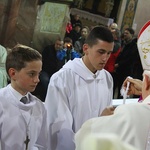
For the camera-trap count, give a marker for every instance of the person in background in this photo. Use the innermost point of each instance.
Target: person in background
(68, 28)
(23, 121)
(110, 65)
(79, 43)
(127, 58)
(3, 74)
(113, 26)
(80, 90)
(67, 53)
(137, 69)
(75, 19)
(49, 66)
(75, 33)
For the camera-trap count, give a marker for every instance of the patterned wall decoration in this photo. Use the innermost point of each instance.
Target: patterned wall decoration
(129, 14)
(52, 20)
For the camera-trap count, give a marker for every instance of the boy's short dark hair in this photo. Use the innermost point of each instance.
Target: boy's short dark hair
(20, 55)
(99, 33)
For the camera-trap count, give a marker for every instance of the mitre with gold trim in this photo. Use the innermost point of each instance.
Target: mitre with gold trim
(144, 45)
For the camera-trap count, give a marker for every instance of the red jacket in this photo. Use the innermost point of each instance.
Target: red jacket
(110, 65)
(68, 28)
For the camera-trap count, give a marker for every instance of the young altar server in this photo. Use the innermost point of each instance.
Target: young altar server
(23, 123)
(80, 90)
(131, 122)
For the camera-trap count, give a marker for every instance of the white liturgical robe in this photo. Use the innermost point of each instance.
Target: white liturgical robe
(75, 95)
(16, 123)
(104, 141)
(131, 122)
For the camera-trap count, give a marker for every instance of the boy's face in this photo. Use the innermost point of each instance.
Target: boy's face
(27, 78)
(96, 56)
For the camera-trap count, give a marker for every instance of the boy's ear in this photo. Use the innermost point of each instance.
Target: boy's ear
(147, 82)
(12, 72)
(85, 48)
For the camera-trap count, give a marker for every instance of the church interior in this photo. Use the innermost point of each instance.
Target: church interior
(38, 22)
(74, 75)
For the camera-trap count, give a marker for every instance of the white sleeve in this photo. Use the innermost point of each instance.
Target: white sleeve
(35, 148)
(59, 117)
(120, 123)
(41, 143)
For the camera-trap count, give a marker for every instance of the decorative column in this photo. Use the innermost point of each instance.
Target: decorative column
(108, 7)
(79, 3)
(129, 14)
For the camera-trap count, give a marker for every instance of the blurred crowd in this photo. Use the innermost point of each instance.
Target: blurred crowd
(73, 77)
(124, 61)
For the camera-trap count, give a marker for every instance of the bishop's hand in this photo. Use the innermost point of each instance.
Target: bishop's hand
(108, 111)
(135, 87)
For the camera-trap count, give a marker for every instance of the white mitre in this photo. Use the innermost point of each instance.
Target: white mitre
(144, 45)
(103, 142)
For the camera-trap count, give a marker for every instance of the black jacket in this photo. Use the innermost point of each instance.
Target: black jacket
(49, 60)
(128, 60)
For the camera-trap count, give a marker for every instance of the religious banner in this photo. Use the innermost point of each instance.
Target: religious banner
(129, 14)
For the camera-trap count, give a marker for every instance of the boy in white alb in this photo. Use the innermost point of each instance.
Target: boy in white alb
(23, 124)
(81, 90)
